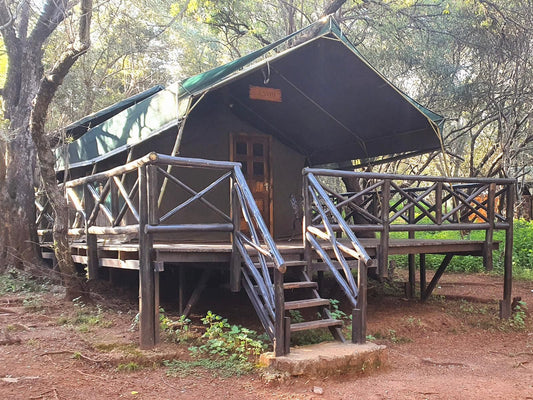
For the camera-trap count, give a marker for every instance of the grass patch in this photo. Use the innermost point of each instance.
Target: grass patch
(218, 367)
(85, 318)
(129, 367)
(522, 251)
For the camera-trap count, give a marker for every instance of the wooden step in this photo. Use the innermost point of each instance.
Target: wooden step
(300, 285)
(288, 264)
(297, 304)
(320, 323)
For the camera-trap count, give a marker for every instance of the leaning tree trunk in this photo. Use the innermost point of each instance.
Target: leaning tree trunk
(18, 239)
(48, 86)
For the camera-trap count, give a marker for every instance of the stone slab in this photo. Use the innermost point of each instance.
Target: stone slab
(328, 358)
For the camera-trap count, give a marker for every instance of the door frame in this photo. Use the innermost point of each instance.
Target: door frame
(268, 159)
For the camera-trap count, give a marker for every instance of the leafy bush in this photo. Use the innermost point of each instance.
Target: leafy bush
(225, 340)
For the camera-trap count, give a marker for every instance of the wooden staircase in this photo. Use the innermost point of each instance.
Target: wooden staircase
(306, 295)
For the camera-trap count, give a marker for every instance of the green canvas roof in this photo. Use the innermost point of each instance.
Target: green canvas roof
(335, 106)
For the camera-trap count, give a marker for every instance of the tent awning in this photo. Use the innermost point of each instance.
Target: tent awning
(334, 105)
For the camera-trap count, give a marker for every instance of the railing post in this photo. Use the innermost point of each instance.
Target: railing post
(92, 245)
(148, 278)
(235, 262)
(384, 240)
(505, 304)
(115, 209)
(438, 203)
(489, 233)
(306, 221)
(359, 313)
(280, 345)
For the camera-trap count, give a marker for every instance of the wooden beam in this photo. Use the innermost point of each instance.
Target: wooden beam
(422, 274)
(236, 259)
(359, 313)
(436, 277)
(505, 304)
(92, 246)
(280, 347)
(149, 317)
(489, 233)
(383, 259)
(195, 296)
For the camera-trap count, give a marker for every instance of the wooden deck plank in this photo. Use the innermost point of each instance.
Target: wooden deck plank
(221, 252)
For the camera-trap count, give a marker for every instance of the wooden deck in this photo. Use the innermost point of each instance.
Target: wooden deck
(125, 256)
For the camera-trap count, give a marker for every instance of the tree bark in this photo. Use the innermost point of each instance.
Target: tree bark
(28, 94)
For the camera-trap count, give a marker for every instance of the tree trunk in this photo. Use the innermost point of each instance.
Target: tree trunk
(18, 240)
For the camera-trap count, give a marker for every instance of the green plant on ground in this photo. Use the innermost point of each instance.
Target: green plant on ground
(218, 367)
(175, 331)
(129, 367)
(33, 303)
(225, 340)
(336, 313)
(296, 316)
(16, 281)
(518, 319)
(85, 317)
(413, 322)
(391, 336)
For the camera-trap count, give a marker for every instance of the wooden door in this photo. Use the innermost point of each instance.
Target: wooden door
(253, 152)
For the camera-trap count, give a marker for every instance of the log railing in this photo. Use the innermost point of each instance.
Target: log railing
(403, 203)
(320, 217)
(126, 200)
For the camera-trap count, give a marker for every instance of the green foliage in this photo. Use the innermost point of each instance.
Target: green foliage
(15, 281)
(335, 312)
(175, 331)
(218, 367)
(518, 319)
(228, 341)
(129, 367)
(392, 336)
(85, 317)
(522, 251)
(296, 316)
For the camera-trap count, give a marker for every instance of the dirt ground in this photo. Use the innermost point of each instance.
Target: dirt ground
(451, 347)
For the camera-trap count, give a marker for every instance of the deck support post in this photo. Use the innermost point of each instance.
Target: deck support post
(505, 304)
(236, 260)
(411, 258)
(92, 245)
(287, 339)
(359, 313)
(148, 277)
(489, 233)
(279, 322)
(384, 240)
(423, 280)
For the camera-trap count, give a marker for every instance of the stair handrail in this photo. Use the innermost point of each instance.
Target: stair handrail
(361, 253)
(273, 301)
(315, 194)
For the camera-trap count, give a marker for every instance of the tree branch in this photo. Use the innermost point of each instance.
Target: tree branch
(53, 14)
